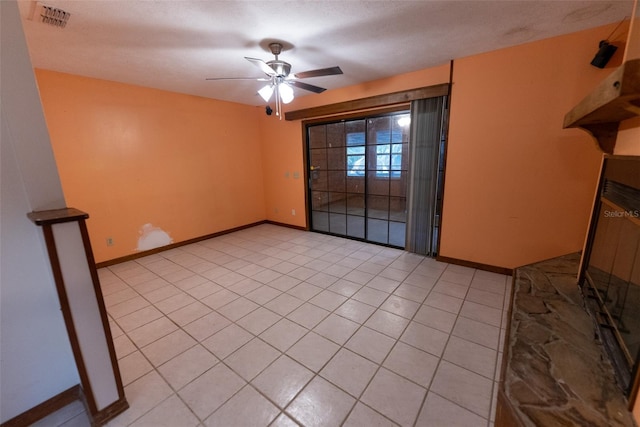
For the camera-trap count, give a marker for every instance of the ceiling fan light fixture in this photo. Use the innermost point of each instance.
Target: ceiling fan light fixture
(266, 92)
(286, 92)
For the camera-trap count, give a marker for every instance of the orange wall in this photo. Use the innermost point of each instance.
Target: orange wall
(130, 155)
(518, 187)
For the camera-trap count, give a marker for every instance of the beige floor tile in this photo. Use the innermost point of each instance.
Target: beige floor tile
(471, 356)
(444, 302)
(237, 309)
(302, 273)
(370, 296)
(142, 395)
(283, 334)
(356, 311)
(425, 338)
(162, 293)
(170, 413)
(345, 288)
(328, 300)
(370, 344)
(266, 276)
(451, 289)
(436, 318)
(127, 307)
(219, 299)
(249, 270)
(210, 390)
(395, 397)
(385, 284)
(123, 346)
(229, 279)
(359, 277)
(478, 332)
(456, 277)
(489, 285)
(245, 286)
(259, 320)
(133, 366)
(481, 313)
(411, 363)
(308, 315)
(330, 274)
(349, 371)
(336, 328)
(395, 274)
(469, 390)
(438, 412)
(387, 323)
(313, 351)
(168, 347)
(72, 415)
(249, 360)
(282, 380)
(227, 340)
(151, 286)
(413, 293)
(204, 290)
(189, 313)
(263, 294)
(284, 267)
(322, 280)
(284, 304)
(207, 325)
(124, 293)
(175, 302)
(304, 291)
(321, 404)
(400, 306)
(421, 281)
(486, 298)
(362, 416)
(337, 270)
(146, 334)
(138, 318)
(187, 366)
(247, 408)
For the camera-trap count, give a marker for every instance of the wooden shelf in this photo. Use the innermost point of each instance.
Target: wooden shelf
(615, 99)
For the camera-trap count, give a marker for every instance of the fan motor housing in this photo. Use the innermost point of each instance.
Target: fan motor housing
(281, 68)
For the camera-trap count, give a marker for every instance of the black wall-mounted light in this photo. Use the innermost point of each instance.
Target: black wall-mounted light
(604, 54)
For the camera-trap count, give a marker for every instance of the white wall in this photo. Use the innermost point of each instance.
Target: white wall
(36, 362)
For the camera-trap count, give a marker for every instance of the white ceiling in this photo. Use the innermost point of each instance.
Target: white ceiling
(174, 45)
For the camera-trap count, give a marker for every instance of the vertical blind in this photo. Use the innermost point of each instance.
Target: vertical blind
(424, 149)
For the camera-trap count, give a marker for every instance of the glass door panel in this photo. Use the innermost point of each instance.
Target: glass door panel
(358, 179)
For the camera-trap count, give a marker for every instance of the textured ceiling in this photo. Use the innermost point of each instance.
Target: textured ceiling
(175, 45)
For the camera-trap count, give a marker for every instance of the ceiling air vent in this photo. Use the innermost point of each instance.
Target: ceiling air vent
(51, 15)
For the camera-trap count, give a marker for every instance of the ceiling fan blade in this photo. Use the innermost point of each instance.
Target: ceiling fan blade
(331, 71)
(256, 79)
(262, 65)
(306, 86)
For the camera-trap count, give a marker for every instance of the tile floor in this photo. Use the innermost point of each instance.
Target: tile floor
(271, 326)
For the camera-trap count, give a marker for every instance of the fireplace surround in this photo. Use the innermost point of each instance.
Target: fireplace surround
(610, 269)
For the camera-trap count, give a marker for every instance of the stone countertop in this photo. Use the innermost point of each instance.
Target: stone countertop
(555, 373)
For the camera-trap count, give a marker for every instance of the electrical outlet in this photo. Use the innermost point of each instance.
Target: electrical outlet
(109, 241)
(293, 212)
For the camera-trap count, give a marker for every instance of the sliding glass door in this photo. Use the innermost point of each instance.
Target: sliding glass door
(358, 178)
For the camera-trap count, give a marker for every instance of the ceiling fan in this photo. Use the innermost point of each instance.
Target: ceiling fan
(279, 80)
